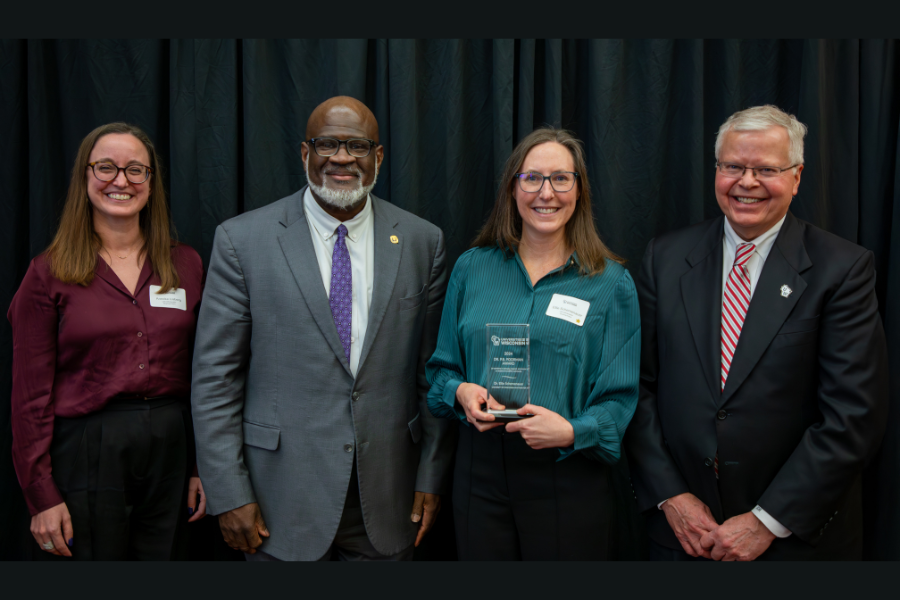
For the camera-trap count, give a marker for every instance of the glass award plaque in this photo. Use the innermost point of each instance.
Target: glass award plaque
(509, 368)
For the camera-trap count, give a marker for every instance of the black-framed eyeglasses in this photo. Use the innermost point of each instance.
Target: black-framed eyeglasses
(106, 171)
(560, 181)
(326, 146)
(735, 171)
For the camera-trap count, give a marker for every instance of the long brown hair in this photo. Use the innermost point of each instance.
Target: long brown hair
(504, 225)
(72, 255)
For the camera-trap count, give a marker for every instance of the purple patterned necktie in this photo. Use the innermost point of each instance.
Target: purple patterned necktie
(341, 296)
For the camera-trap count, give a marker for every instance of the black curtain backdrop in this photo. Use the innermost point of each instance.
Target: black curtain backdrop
(228, 117)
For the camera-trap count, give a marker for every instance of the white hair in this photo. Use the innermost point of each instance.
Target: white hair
(761, 118)
(341, 199)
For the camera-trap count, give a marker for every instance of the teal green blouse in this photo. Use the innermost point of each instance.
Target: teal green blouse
(588, 374)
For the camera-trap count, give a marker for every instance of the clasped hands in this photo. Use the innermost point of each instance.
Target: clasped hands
(742, 537)
(546, 429)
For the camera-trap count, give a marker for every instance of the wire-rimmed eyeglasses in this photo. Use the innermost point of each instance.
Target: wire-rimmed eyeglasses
(736, 171)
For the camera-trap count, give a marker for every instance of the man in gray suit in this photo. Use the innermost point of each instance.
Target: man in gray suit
(320, 310)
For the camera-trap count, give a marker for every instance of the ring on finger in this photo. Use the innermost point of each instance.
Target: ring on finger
(47, 546)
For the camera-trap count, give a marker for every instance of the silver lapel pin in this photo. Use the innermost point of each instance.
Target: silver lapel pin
(785, 291)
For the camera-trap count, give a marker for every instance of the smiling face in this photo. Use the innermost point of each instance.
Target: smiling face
(545, 213)
(119, 198)
(341, 181)
(753, 206)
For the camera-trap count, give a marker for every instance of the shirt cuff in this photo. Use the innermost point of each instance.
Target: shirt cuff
(590, 433)
(450, 387)
(771, 524)
(41, 495)
(659, 506)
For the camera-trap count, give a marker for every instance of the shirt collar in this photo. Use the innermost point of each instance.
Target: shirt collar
(574, 258)
(763, 242)
(325, 225)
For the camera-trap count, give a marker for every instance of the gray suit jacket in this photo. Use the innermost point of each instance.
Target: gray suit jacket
(277, 415)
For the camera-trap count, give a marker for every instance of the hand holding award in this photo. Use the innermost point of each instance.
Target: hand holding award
(472, 397)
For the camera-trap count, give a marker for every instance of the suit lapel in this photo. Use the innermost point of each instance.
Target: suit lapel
(387, 265)
(769, 308)
(300, 254)
(701, 292)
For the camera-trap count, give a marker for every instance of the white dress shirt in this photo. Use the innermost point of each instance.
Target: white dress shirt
(360, 242)
(754, 267)
(755, 263)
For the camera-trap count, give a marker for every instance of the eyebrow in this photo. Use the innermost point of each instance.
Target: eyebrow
(109, 160)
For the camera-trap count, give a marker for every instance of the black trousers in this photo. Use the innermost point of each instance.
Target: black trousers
(123, 473)
(511, 502)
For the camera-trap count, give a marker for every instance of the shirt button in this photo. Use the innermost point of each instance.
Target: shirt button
(140, 334)
(348, 448)
(141, 366)
(721, 415)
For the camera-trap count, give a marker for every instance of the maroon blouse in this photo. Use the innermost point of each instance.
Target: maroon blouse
(75, 348)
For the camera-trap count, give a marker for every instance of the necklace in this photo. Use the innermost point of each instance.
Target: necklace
(130, 252)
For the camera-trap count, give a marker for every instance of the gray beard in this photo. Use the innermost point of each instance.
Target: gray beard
(341, 199)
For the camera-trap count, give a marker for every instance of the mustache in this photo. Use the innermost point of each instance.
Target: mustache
(348, 171)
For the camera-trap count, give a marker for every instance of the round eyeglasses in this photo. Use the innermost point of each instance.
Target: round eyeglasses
(357, 147)
(105, 171)
(561, 181)
(735, 171)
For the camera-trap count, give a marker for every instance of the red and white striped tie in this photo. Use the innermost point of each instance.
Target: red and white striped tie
(734, 309)
(735, 305)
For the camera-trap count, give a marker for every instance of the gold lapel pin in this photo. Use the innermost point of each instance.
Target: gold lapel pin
(394, 239)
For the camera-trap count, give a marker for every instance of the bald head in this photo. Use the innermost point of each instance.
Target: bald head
(342, 112)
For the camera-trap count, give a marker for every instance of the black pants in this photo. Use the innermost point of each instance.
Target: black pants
(123, 473)
(511, 502)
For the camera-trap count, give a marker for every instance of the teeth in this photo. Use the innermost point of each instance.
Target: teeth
(546, 211)
(748, 200)
(119, 196)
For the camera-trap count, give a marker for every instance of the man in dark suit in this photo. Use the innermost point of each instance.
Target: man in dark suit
(763, 369)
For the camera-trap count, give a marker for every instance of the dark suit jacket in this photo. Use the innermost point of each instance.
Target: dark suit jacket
(805, 402)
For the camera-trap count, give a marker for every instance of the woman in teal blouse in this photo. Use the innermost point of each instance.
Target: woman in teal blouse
(538, 488)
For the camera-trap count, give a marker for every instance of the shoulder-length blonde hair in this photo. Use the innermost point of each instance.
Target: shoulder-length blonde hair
(72, 255)
(504, 225)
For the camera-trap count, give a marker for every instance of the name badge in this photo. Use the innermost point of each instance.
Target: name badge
(568, 309)
(171, 299)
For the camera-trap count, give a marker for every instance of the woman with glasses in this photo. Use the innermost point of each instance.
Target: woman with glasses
(538, 311)
(103, 327)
